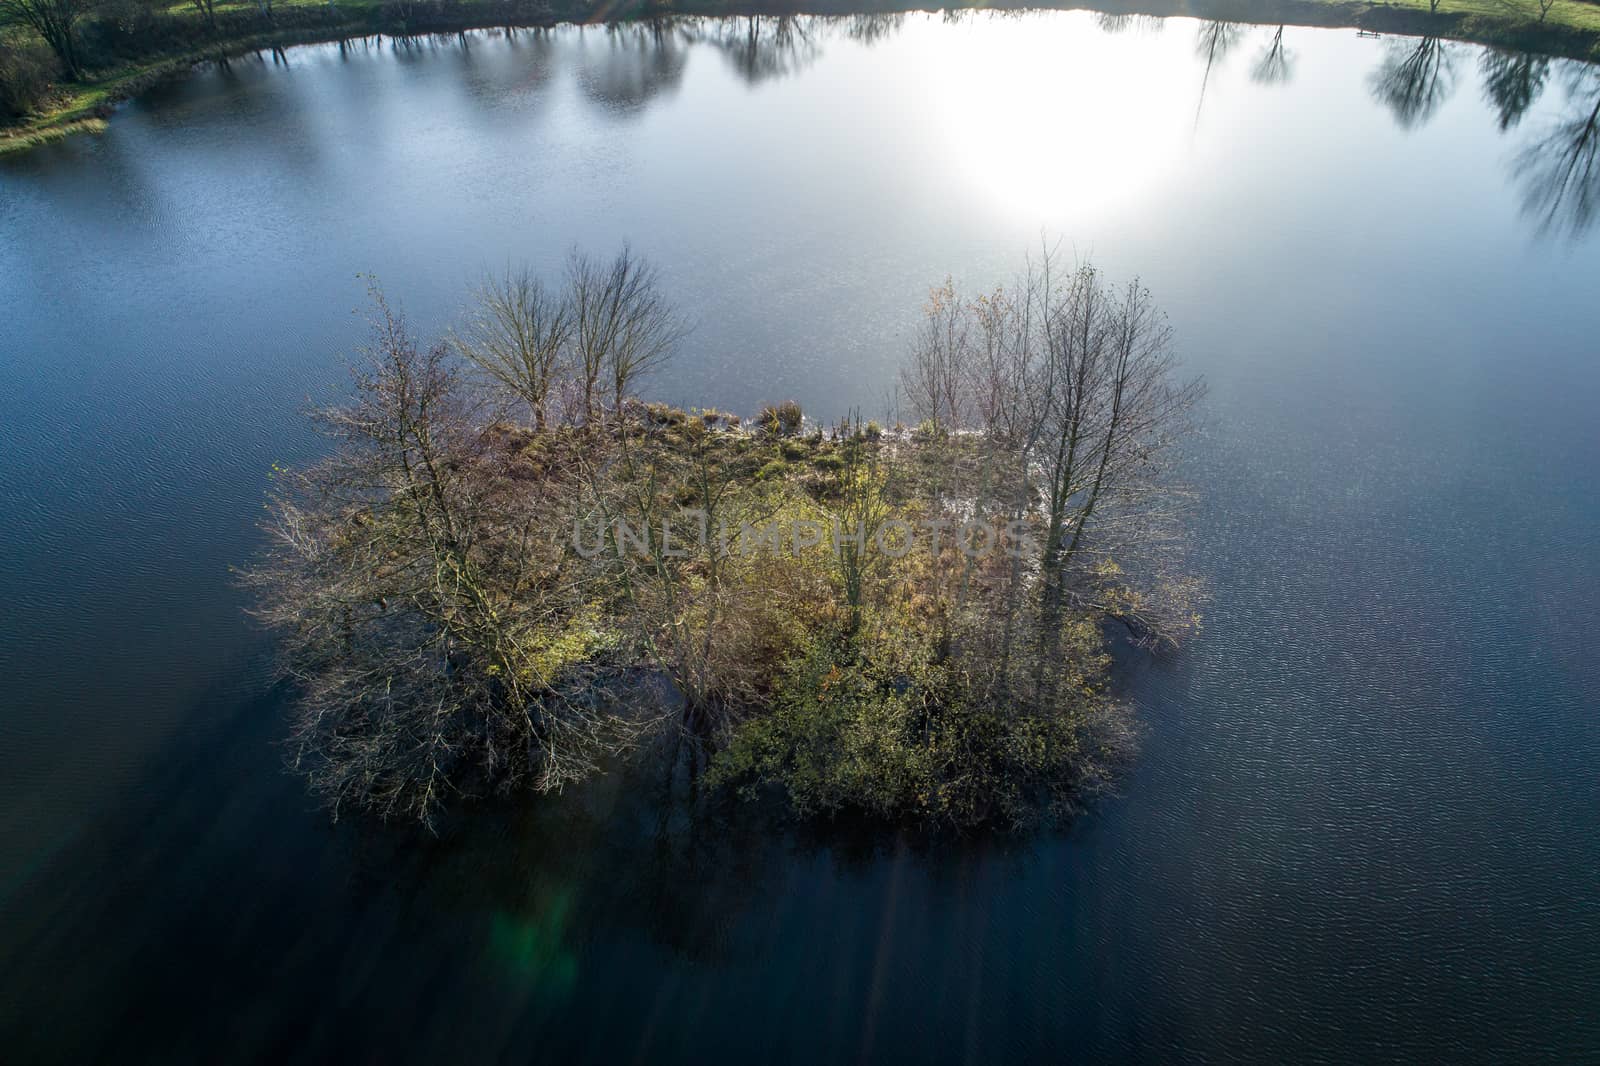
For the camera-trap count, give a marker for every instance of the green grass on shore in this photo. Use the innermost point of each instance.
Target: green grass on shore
(1572, 14)
(1570, 28)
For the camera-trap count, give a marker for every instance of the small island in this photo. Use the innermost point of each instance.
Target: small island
(510, 567)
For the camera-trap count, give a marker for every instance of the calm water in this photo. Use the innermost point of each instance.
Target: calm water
(1366, 823)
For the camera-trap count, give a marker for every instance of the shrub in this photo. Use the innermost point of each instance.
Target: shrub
(829, 462)
(27, 75)
(894, 730)
(783, 420)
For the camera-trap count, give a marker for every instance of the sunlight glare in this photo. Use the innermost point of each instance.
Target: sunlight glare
(1053, 121)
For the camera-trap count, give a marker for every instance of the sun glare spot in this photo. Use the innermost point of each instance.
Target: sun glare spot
(1061, 122)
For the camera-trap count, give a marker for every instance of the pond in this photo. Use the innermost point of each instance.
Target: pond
(1365, 821)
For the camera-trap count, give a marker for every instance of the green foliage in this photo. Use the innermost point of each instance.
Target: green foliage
(892, 728)
(829, 462)
(776, 470)
(569, 643)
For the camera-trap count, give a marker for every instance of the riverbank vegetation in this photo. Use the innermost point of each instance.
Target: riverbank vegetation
(65, 63)
(510, 567)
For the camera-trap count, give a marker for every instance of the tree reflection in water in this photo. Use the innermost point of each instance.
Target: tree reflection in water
(764, 47)
(1414, 79)
(639, 62)
(1512, 82)
(1558, 166)
(1212, 44)
(1275, 65)
(871, 29)
(675, 867)
(1121, 22)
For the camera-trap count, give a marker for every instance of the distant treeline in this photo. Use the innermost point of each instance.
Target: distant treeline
(66, 59)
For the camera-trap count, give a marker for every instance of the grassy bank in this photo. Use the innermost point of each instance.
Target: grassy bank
(166, 43)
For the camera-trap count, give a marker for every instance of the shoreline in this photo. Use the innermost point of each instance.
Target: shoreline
(85, 107)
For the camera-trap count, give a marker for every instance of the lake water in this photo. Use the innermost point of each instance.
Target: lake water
(1366, 820)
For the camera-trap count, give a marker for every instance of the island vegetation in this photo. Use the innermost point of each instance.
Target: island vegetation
(65, 63)
(509, 567)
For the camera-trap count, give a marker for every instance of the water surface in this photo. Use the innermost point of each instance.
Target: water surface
(1364, 825)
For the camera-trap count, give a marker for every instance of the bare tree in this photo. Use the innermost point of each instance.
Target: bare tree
(1114, 408)
(208, 12)
(1072, 389)
(1012, 397)
(1071, 392)
(663, 497)
(1545, 7)
(517, 336)
(623, 328)
(935, 379)
(57, 22)
(425, 610)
